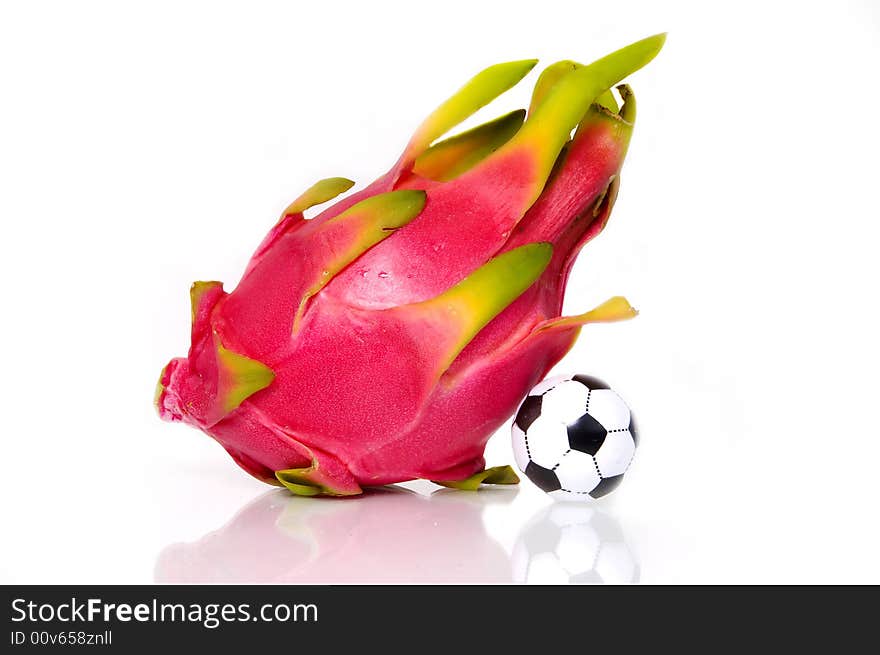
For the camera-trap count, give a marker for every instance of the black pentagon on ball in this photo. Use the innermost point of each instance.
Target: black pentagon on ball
(586, 435)
(606, 486)
(590, 382)
(545, 479)
(528, 412)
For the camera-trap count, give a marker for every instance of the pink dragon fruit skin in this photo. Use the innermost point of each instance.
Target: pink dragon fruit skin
(387, 338)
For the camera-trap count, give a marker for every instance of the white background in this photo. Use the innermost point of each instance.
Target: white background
(146, 145)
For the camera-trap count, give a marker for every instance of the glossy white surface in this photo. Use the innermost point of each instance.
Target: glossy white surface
(143, 148)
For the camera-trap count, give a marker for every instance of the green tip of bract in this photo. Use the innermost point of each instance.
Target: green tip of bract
(485, 293)
(494, 475)
(196, 292)
(390, 210)
(358, 229)
(548, 79)
(612, 310)
(555, 72)
(606, 99)
(496, 284)
(567, 92)
(294, 482)
(160, 388)
(628, 109)
(241, 377)
(310, 482)
(479, 91)
(448, 159)
(320, 192)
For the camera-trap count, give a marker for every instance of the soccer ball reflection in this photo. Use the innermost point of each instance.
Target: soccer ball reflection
(573, 544)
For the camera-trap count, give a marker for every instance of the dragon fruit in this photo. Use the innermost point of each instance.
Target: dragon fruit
(388, 337)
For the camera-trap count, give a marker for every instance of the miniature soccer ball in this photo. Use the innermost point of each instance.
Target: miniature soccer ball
(574, 437)
(573, 544)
